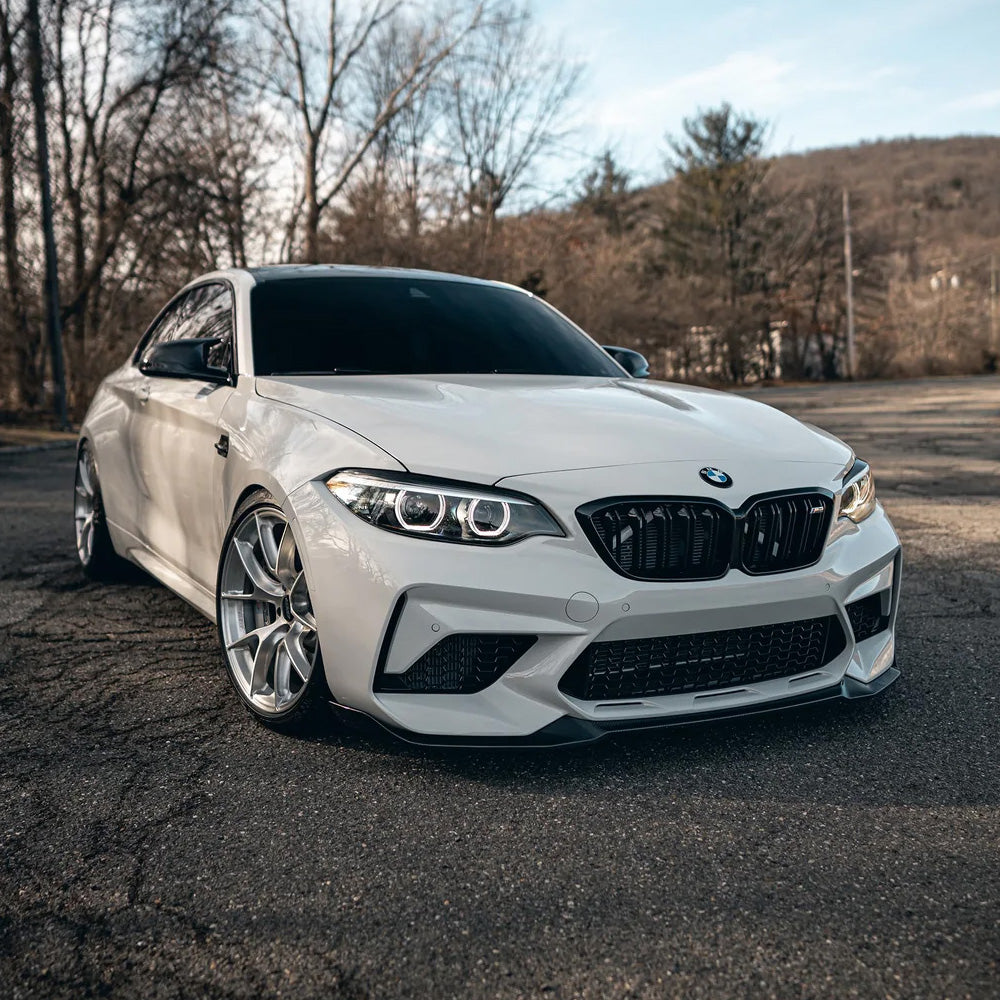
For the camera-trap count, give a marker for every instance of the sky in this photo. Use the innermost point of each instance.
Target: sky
(822, 73)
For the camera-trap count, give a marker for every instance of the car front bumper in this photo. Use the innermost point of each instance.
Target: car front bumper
(382, 600)
(570, 730)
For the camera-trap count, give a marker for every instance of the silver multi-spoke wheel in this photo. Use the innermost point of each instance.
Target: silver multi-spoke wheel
(85, 506)
(265, 615)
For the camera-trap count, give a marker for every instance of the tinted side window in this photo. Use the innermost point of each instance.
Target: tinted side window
(214, 321)
(204, 312)
(162, 331)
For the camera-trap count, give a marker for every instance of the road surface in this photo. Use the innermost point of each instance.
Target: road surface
(155, 842)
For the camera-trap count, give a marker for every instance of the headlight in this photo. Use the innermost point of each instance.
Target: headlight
(447, 511)
(857, 500)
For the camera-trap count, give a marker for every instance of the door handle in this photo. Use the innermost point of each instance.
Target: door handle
(142, 393)
(222, 445)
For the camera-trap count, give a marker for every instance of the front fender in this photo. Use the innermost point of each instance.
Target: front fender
(279, 447)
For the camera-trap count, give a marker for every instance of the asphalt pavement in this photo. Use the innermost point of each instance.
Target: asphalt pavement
(156, 842)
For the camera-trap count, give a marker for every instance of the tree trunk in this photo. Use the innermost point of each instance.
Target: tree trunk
(27, 342)
(310, 243)
(51, 282)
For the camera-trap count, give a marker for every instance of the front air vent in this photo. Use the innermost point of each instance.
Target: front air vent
(702, 661)
(867, 617)
(461, 663)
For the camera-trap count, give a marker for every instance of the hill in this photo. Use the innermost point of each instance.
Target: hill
(925, 218)
(937, 201)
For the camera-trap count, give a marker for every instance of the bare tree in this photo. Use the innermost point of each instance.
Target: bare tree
(409, 164)
(809, 247)
(120, 69)
(23, 336)
(320, 82)
(228, 168)
(509, 95)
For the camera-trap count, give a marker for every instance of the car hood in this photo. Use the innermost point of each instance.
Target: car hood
(484, 428)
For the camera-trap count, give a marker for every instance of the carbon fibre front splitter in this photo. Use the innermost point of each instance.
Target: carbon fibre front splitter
(572, 731)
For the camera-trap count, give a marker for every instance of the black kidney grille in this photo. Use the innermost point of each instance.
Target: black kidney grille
(459, 664)
(783, 533)
(665, 539)
(702, 661)
(867, 618)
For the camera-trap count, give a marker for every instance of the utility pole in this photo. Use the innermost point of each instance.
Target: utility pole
(849, 273)
(994, 293)
(52, 317)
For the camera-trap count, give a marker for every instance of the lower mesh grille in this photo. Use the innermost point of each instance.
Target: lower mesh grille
(459, 664)
(702, 661)
(867, 618)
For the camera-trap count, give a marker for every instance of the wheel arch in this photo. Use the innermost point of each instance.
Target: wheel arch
(247, 492)
(241, 480)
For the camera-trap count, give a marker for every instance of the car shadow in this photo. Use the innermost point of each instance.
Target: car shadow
(871, 752)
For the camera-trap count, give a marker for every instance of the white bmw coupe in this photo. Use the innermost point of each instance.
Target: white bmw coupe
(435, 501)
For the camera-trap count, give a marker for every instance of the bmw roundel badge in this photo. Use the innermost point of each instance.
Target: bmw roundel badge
(716, 477)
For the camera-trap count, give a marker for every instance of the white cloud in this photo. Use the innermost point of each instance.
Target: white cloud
(756, 80)
(874, 70)
(985, 100)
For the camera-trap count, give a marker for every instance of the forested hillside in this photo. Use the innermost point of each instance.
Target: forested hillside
(926, 219)
(923, 194)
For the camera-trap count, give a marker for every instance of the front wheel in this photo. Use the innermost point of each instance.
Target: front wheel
(266, 622)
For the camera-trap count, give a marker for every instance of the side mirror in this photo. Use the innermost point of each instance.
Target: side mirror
(184, 359)
(632, 361)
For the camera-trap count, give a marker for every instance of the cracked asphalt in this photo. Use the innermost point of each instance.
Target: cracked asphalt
(158, 843)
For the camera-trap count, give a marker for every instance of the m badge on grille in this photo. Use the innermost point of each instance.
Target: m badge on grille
(716, 477)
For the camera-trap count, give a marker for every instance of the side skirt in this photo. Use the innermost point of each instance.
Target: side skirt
(184, 587)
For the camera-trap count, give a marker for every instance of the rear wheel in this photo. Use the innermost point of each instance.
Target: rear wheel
(266, 622)
(93, 541)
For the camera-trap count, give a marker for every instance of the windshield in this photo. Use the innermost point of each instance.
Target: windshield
(413, 326)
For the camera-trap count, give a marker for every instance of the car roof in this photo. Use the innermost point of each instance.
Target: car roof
(279, 272)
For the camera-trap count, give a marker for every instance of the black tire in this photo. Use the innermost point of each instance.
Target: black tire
(97, 555)
(309, 713)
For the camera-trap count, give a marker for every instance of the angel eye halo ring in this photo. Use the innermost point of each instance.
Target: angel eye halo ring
(419, 511)
(488, 518)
